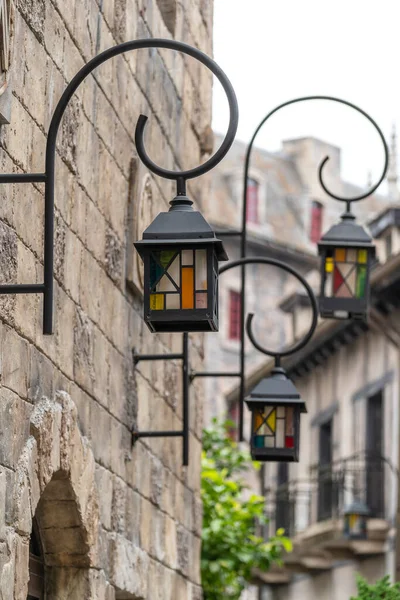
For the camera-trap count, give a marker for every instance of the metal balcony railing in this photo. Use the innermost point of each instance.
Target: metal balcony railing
(298, 504)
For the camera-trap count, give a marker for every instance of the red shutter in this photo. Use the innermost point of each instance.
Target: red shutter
(316, 221)
(234, 315)
(252, 201)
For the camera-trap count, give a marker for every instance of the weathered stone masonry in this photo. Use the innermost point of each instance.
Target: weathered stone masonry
(114, 522)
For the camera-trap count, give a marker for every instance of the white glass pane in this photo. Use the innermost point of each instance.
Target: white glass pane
(201, 269)
(269, 442)
(280, 433)
(174, 271)
(187, 257)
(201, 299)
(165, 285)
(281, 411)
(172, 301)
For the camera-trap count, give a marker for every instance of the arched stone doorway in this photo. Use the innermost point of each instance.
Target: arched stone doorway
(56, 498)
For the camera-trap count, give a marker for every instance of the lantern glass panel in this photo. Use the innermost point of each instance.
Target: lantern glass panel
(274, 427)
(346, 273)
(178, 280)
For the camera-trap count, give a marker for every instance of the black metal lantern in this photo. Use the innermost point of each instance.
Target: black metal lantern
(180, 253)
(355, 521)
(275, 405)
(347, 253)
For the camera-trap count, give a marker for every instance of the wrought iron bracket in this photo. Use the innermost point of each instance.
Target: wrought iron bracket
(184, 433)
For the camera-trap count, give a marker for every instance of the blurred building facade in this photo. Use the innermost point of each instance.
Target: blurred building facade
(287, 212)
(84, 516)
(349, 376)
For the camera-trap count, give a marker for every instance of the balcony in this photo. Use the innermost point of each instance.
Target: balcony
(310, 511)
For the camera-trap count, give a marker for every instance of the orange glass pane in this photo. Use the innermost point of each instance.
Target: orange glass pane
(340, 254)
(187, 287)
(258, 420)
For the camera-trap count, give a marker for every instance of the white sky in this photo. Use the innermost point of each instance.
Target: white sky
(276, 50)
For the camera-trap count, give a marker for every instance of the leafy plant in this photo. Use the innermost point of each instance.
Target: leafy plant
(230, 547)
(381, 590)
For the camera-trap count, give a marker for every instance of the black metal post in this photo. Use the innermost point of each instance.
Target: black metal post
(185, 399)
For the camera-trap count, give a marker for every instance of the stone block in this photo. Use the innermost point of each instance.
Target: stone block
(104, 482)
(129, 568)
(118, 505)
(116, 385)
(133, 516)
(95, 231)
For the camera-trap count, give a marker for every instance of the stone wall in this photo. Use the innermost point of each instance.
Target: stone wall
(114, 522)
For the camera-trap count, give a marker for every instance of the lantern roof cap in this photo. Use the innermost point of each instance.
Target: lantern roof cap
(276, 389)
(180, 226)
(356, 507)
(348, 233)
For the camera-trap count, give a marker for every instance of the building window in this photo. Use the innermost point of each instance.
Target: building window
(374, 450)
(36, 566)
(252, 201)
(316, 221)
(326, 480)
(234, 315)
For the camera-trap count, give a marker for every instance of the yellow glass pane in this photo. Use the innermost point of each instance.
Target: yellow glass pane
(271, 421)
(362, 256)
(187, 287)
(329, 265)
(340, 254)
(157, 301)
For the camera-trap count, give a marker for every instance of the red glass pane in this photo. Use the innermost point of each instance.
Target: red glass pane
(337, 280)
(289, 441)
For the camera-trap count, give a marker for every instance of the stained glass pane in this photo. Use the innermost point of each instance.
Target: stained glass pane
(289, 420)
(289, 441)
(187, 287)
(362, 256)
(361, 281)
(329, 265)
(155, 272)
(165, 285)
(328, 284)
(345, 269)
(187, 257)
(280, 433)
(201, 299)
(343, 292)
(174, 271)
(351, 281)
(340, 255)
(157, 301)
(258, 441)
(352, 255)
(258, 420)
(201, 269)
(271, 420)
(337, 280)
(269, 441)
(172, 301)
(280, 411)
(165, 257)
